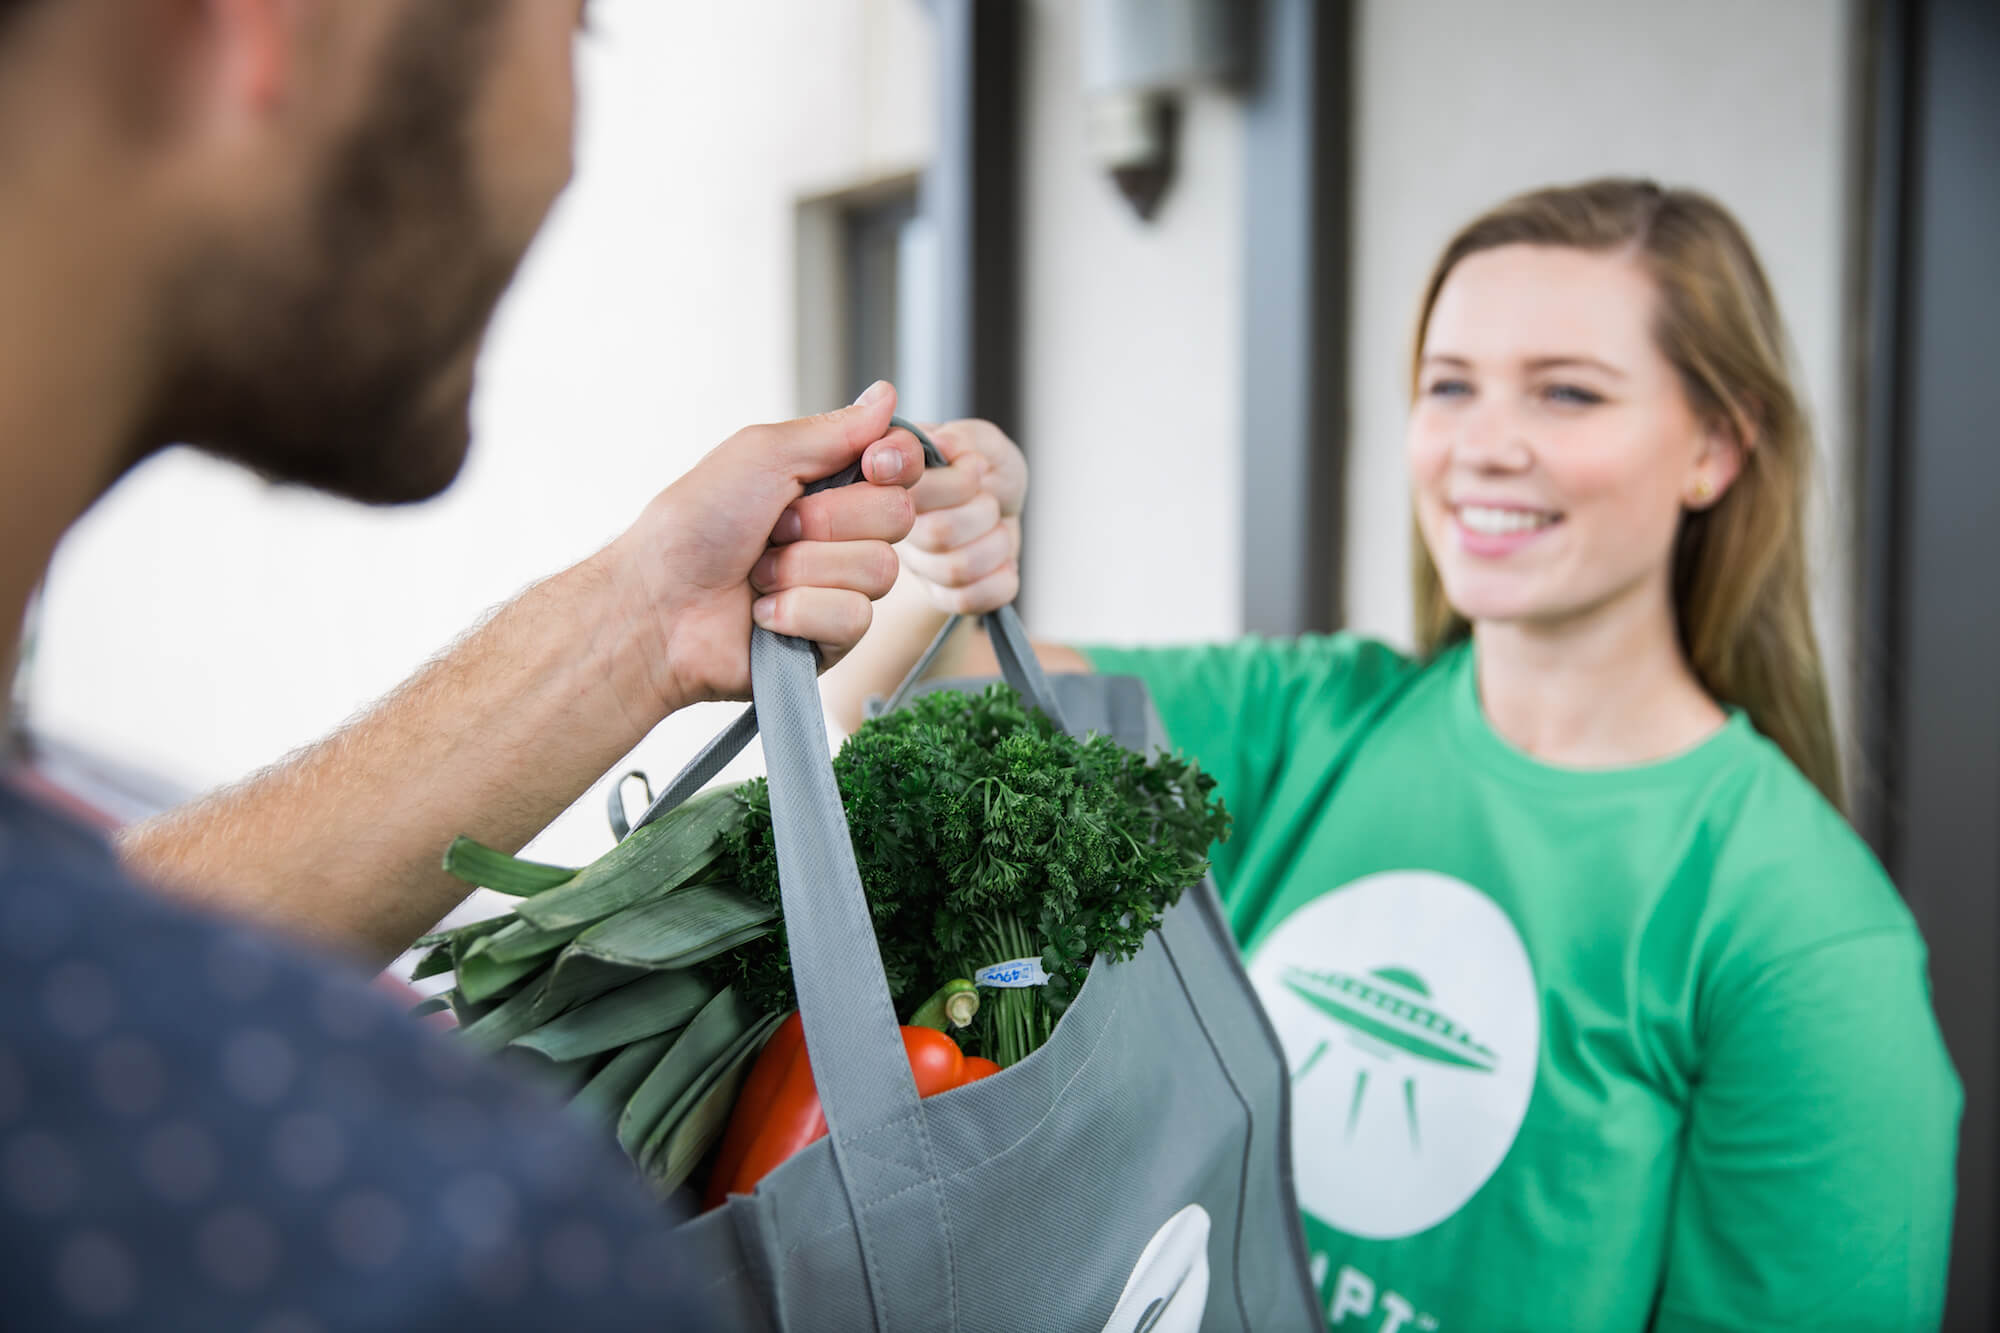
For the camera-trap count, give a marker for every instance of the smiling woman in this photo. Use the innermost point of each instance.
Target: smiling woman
(1598, 1014)
(1605, 424)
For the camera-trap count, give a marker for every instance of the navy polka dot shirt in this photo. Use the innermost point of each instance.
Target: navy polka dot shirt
(201, 1128)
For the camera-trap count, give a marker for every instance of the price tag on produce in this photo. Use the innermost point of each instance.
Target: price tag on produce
(1014, 975)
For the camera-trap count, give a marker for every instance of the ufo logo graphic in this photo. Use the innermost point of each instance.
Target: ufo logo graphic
(1388, 1011)
(1411, 1021)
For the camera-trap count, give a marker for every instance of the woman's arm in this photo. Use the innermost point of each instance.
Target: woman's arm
(961, 557)
(1817, 1183)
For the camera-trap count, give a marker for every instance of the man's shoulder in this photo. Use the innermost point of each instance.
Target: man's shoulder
(203, 1123)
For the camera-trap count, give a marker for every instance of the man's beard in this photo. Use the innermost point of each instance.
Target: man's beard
(346, 364)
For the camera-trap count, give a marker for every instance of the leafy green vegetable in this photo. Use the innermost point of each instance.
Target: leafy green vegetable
(476, 863)
(981, 829)
(671, 851)
(647, 981)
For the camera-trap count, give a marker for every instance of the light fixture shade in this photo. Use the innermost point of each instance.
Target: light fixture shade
(1163, 46)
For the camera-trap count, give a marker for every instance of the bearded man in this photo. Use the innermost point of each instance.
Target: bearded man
(276, 230)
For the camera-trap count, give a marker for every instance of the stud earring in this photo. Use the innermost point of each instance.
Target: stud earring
(1703, 491)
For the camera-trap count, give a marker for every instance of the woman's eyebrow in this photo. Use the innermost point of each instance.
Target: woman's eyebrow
(1533, 364)
(1587, 362)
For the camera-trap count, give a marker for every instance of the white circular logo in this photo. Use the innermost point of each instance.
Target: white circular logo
(1412, 1026)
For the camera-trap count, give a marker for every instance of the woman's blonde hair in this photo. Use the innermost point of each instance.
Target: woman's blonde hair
(1739, 567)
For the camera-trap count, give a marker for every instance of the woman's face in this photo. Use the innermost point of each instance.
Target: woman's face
(1552, 447)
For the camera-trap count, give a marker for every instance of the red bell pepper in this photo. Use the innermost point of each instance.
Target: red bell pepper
(778, 1111)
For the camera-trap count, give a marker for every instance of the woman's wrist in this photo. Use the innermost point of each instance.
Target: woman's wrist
(903, 626)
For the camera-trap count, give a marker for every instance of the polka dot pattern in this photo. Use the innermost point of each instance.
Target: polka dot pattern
(130, 1077)
(79, 1000)
(238, 1248)
(258, 1066)
(200, 1129)
(96, 1275)
(39, 1175)
(366, 1229)
(308, 1150)
(181, 1162)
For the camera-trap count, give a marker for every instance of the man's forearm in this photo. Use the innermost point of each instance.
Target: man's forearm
(341, 843)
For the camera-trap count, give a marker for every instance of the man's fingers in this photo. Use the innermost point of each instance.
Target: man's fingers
(867, 567)
(834, 618)
(897, 459)
(848, 514)
(946, 529)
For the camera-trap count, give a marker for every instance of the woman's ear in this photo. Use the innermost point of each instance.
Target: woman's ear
(1725, 447)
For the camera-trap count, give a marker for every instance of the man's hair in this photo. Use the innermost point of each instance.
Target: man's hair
(11, 10)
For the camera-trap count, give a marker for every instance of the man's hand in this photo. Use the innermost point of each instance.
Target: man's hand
(737, 540)
(341, 843)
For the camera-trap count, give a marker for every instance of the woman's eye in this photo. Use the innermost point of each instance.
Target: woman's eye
(1447, 389)
(1571, 393)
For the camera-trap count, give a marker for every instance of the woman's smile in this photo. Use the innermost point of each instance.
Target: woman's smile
(1492, 530)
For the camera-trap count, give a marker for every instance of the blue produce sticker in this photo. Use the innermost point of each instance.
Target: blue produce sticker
(1014, 975)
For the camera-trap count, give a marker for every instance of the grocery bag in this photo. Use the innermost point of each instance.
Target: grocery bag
(1132, 1174)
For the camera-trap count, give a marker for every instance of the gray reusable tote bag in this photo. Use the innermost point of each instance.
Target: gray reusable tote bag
(1133, 1174)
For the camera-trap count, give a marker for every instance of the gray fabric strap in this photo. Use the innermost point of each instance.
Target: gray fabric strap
(1018, 665)
(714, 757)
(916, 674)
(873, 1115)
(875, 1124)
(880, 1143)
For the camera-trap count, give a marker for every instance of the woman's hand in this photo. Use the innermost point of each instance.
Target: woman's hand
(965, 548)
(962, 557)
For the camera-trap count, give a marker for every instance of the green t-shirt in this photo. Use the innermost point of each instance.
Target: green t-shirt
(1570, 1050)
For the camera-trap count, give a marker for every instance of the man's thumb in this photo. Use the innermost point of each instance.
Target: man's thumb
(819, 446)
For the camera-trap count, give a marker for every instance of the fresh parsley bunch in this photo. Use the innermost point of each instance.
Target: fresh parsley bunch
(985, 834)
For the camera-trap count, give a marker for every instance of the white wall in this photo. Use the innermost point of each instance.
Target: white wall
(1461, 104)
(1133, 330)
(1132, 371)
(203, 624)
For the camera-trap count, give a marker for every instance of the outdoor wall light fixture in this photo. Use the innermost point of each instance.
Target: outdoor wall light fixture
(1139, 58)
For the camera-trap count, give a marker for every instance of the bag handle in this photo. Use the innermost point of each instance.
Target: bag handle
(880, 1141)
(1018, 667)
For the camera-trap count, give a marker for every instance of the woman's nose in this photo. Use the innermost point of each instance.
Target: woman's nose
(1491, 438)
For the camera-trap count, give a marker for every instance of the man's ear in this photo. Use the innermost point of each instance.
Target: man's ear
(252, 45)
(182, 64)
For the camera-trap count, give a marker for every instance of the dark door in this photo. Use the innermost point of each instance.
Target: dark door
(1932, 550)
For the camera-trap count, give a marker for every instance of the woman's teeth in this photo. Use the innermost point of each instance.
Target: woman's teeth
(1500, 522)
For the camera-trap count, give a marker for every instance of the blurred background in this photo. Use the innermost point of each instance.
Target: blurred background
(1175, 248)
